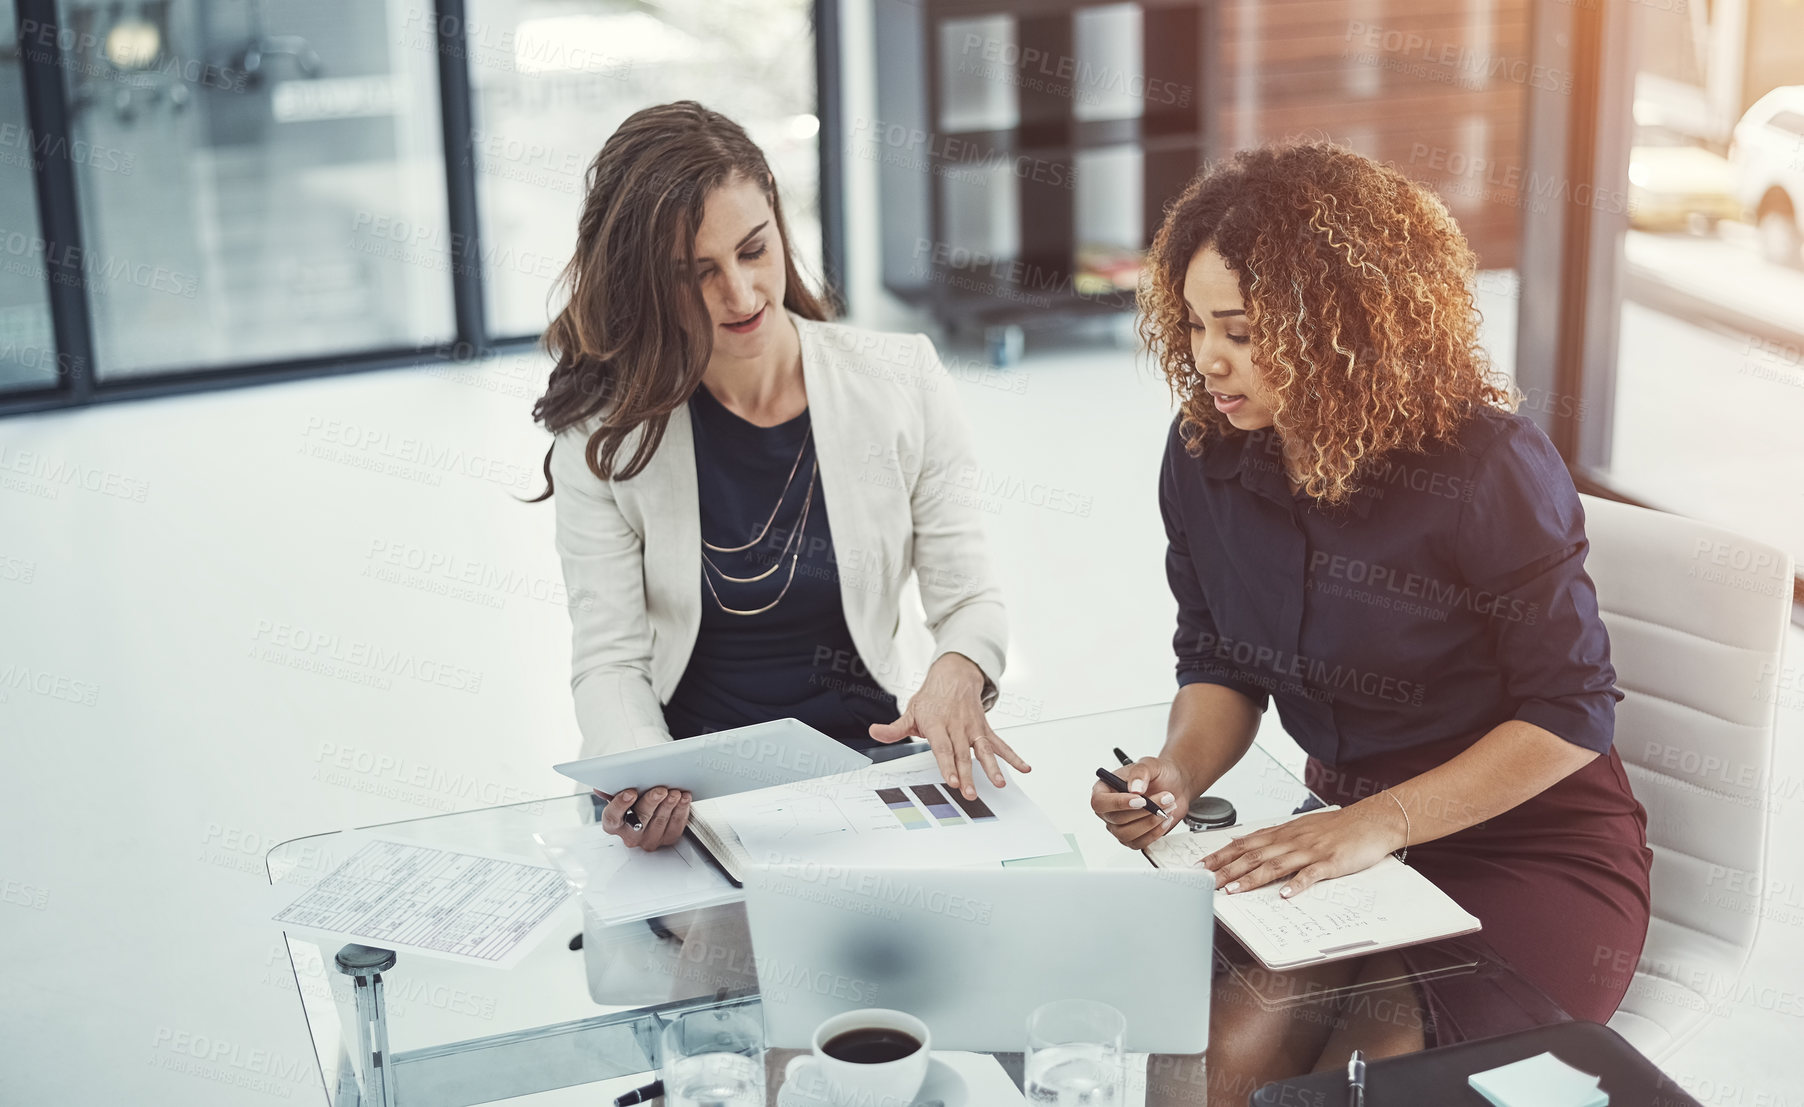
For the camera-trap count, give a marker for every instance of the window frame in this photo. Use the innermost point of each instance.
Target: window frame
(59, 222)
(1569, 319)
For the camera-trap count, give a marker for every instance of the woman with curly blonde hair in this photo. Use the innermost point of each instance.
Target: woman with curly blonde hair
(1361, 529)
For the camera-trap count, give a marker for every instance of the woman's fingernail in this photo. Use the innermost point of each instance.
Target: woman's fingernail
(1284, 891)
(1232, 885)
(1167, 798)
(1137, 786)
(1137, 801)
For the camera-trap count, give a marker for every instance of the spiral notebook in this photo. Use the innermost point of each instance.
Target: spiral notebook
(1388, 906)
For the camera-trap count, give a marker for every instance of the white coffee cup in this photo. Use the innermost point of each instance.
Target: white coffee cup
(843, 1083)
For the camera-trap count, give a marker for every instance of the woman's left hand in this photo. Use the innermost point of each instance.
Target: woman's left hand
(1317, 846)
(948, 713)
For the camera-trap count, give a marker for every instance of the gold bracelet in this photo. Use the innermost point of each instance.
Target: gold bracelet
(1403, 855)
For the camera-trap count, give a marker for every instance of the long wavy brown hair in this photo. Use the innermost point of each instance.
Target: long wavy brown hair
(1359, 297)
(634, 337)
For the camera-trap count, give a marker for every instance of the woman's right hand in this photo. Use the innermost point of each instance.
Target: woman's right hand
(663, 813)
(1125, 814)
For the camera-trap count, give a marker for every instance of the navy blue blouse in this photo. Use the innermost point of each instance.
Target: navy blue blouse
(797, 659)
(1447, 597)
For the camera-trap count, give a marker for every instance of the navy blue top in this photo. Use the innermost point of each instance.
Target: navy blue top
(1447, 597)
(797, 659)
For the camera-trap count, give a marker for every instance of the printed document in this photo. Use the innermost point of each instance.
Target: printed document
(438, 902)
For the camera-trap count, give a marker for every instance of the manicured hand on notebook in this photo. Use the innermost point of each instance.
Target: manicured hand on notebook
(1125, 814)
(660, 813)
(1308, 848)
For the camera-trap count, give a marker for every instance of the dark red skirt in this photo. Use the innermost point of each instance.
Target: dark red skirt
(1560, 883)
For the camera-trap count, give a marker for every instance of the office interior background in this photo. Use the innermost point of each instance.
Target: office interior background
(271, 276)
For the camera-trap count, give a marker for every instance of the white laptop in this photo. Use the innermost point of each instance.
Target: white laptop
(973, 951)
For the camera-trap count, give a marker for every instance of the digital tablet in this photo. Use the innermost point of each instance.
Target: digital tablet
(781, 751)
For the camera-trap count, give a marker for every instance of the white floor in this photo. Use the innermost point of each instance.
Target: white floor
(173, 572)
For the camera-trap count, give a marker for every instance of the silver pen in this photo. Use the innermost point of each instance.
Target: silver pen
(1356, 1080)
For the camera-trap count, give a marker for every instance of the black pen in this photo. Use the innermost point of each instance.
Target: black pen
(630, 816)
(1122, 757)
(639, 1095)
(1356, 1080)
(1120, 785)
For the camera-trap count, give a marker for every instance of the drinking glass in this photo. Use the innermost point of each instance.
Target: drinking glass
(714, 1059)
(1074, 1056)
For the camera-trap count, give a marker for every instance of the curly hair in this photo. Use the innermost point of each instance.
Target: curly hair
(1359, 299)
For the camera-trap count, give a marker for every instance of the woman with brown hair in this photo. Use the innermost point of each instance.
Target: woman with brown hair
(744, 489)
(1360, 529)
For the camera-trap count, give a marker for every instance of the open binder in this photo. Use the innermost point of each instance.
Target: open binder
(713, 766)
(782, 793)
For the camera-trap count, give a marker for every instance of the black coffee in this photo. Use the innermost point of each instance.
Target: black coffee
(870, 1045)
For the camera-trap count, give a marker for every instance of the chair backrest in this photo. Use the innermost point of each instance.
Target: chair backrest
(1697, 618)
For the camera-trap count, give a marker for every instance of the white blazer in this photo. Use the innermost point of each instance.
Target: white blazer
(897, 471)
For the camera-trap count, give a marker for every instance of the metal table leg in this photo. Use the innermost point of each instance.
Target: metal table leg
(365, 966)
(502, 1066)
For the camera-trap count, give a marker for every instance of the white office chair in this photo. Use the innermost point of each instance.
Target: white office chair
(1697, 619)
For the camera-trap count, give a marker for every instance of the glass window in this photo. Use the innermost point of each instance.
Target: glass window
(551, 79)
(1708, 405)
(28, 356)
(259, 181)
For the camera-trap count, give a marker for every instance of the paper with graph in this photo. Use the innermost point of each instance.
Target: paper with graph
(897, 813)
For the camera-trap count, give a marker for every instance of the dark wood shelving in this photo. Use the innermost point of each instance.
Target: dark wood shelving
(1041, 279)
(972, 9)
(1063, 139)
(1245, 72)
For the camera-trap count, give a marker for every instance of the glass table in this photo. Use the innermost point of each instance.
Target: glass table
(407, 1030)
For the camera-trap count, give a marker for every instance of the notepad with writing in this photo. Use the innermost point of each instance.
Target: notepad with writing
(1388, 906)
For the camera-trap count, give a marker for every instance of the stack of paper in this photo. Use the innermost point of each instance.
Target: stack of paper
(441, 903)
(1539, 1081)
(898, 813)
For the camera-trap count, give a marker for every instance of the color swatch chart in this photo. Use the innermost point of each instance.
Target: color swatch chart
(888, 814)
(940, 810)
